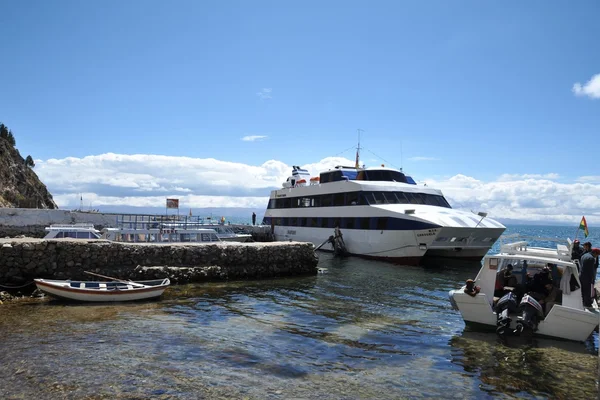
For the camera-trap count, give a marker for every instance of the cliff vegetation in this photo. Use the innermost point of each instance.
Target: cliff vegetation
(19, 184)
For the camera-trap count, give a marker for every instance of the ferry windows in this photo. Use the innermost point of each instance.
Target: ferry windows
(349, 223)
(338, 199)
(313, 223)
(351, 175)
(363, 199)
(379, 199)
(302, 221)
(381, 223)
(316, 201)
(293, 221)
(402, 198)
(305, 202)
(363, 223)
(287, 203)
(326, 200)
(390, 197)
(352, 198)
(324, 222)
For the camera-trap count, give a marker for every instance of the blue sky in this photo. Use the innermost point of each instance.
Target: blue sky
(442, 88)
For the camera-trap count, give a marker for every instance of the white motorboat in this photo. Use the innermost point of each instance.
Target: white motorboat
(227, 234)
(72, 231)
(518, 309)
(162, 233)
(382, 214)
(92, 291)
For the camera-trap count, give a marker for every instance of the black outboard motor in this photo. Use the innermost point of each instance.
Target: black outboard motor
(531, 312)
(505, 306)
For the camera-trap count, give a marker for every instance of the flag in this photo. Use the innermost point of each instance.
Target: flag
(583, 225)
(172, 203)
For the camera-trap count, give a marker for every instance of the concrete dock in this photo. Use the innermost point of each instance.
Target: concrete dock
(23, 259)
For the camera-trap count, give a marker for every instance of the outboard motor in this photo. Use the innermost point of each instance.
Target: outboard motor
(505, 306)
(531, 312)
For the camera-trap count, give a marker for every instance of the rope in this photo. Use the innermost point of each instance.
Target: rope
(16, 287)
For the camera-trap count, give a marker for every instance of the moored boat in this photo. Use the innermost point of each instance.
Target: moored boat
(72, 231)
(382, 214)
(544, 296)
(96, 291)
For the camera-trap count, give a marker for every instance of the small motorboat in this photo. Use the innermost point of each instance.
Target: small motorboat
(521, 308)
(97, 291)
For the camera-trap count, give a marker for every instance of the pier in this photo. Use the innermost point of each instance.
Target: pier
(23, 259)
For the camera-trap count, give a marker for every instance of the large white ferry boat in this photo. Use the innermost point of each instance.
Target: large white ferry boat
(381, 214)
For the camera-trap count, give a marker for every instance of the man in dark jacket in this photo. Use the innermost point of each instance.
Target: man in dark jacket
(587, 276)
(577, 251)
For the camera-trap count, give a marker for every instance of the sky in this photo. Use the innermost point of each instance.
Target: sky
(212, 102)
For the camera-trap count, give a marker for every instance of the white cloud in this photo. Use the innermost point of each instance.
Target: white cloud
(511, 177)
(146, 180)
(421, 158)
(265, 93)
(589, 179)
(591, 88)
(523, 199)
(253, 138)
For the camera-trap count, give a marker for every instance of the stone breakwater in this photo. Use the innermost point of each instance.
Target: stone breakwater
(22, 260)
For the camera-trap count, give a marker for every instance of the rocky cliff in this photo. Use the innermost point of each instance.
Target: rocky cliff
(19, 185)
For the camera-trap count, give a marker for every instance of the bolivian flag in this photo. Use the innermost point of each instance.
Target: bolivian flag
(583, 225)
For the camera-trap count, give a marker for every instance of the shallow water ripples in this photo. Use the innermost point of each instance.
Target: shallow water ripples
(360, 330)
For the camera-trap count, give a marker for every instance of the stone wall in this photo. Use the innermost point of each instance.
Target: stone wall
(22, 260)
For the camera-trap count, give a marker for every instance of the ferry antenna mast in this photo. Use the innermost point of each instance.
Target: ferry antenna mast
(358, 148)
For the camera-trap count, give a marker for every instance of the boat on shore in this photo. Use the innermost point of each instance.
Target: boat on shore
(381, 214)
(96, 291)
(544, 297)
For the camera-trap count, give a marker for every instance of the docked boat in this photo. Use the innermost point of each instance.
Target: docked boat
(380, 213)
(72, 231)
(544, 296)
(227, 234)
(161, 233)
(111, 291)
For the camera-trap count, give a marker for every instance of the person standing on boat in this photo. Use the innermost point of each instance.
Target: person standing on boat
(253, 218)
(576, 252)
(587, 275)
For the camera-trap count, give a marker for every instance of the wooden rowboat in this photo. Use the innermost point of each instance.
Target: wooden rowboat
(96, 291)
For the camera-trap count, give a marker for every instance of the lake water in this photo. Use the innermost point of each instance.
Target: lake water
(359, 329)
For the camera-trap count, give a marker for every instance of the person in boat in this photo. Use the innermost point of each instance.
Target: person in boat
(471, 289)
(551, 297)
(537, 286)
(576, 252)
(501, 280)
(587, 275)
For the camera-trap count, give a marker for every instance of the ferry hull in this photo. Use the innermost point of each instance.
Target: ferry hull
(463, 243)
(401, 247)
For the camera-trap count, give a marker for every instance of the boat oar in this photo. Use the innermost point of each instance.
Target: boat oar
(115, 279)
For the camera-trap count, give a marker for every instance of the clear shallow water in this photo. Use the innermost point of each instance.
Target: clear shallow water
(360, 329)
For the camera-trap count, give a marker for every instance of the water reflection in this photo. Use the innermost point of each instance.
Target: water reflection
(541, 367)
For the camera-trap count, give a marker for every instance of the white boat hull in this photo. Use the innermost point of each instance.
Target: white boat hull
(562, 322)
(65, 290)
(401, 246)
